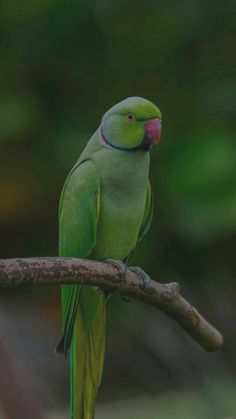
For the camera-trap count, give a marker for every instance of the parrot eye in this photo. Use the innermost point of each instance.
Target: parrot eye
(130, 117)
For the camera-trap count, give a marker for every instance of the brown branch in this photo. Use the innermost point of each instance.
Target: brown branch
(166, 297)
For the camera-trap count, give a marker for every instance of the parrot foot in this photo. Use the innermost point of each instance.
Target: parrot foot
(118, 264)
(123, 272)
(142, 275)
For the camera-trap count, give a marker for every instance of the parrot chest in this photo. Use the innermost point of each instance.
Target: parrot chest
(122, 204)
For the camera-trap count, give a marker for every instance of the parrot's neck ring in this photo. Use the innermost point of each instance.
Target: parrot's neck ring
(144, 145)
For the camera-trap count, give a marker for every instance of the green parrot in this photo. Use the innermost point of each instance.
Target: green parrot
(105, 209)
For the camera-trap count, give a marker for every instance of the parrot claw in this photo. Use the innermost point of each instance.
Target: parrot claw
(142, 275)
(118, 264)
(122, 267)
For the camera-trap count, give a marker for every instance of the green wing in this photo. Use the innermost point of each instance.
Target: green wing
(78, 216)
(79, 210)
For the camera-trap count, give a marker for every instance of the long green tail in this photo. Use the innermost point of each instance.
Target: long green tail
(87, 353)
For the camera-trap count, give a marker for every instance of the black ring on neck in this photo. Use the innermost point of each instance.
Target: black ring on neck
(144, 145)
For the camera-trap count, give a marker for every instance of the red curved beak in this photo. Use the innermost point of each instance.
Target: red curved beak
(153, 130)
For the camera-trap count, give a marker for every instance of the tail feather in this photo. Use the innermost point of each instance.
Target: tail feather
(86, 361)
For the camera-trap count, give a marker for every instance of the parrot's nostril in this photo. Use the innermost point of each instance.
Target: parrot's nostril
(153, 130)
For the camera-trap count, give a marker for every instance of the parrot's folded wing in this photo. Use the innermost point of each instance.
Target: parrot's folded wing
(78, 216)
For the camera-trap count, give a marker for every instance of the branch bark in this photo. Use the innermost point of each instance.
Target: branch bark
(109, 275)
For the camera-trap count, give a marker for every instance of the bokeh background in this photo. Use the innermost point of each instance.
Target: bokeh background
(62, 65)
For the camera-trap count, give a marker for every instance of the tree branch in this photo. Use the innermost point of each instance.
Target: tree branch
(61, 270)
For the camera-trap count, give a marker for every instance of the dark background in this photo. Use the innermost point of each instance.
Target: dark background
(62, 65)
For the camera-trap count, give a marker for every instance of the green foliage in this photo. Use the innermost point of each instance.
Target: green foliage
(199, 183)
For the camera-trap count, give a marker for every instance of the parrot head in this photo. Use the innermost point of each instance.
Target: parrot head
(133, 124)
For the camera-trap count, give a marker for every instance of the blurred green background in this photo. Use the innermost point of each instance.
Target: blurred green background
(62, 65)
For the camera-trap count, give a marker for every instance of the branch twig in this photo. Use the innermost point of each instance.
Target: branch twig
(60, 270)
